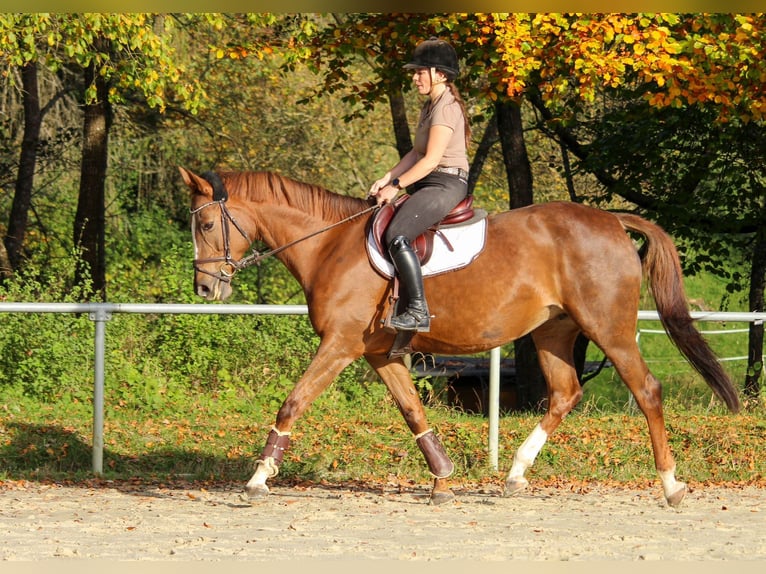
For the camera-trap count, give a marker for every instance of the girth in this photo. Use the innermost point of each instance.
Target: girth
(423, 243)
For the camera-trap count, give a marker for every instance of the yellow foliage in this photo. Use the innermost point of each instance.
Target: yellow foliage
(698, 59)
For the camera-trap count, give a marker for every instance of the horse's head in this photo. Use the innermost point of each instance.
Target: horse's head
(219, 239)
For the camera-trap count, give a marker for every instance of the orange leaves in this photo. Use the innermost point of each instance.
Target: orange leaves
(703, 60)
(700, 59)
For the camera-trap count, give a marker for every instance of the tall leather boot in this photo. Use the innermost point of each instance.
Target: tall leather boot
(415, 317)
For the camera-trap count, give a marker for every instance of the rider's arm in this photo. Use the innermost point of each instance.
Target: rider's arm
(411, 169)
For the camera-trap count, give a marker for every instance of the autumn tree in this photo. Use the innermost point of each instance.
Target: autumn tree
(19, 35)
(360, 57)
(119, 56)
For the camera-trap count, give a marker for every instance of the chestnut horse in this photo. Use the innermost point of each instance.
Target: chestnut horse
(554, 270)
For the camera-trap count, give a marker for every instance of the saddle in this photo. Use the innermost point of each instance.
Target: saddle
(462, 214)
(424, 243)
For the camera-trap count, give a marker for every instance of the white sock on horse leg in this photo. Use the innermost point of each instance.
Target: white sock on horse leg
(669, 483)
(527, 452)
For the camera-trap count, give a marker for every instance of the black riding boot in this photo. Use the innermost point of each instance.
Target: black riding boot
(415, 317)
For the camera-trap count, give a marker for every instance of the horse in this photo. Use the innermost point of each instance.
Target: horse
(554, 270)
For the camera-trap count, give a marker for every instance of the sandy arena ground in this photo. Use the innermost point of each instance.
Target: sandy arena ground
(49, 522)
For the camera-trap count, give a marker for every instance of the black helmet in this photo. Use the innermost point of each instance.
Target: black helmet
(435, 53)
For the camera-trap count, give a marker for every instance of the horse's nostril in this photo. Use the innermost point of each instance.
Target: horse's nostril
(202, 290)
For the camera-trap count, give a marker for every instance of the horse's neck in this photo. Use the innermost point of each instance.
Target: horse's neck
(308, 235)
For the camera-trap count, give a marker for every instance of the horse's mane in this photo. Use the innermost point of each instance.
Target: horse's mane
(275, 188)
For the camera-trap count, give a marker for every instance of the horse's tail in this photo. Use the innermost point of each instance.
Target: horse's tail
(662, 268)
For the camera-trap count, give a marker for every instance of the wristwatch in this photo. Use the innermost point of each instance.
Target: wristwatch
(395, 183)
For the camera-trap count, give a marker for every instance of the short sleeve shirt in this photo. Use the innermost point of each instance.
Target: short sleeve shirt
(446, 111)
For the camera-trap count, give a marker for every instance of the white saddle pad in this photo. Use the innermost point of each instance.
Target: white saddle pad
(454, 247)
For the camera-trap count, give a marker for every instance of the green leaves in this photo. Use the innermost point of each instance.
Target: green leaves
(135, 52)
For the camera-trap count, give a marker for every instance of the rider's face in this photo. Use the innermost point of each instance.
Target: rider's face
(422, 80)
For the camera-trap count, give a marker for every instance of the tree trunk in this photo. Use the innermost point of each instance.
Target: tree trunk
(515, 157)
(5, 265)
(532, 388)
(90, 219)
(399, 118)
(488, 139)
(756, 304)
(22, 198)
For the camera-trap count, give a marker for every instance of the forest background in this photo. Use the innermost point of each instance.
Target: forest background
(659, 114)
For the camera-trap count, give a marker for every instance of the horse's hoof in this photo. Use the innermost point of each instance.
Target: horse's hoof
(441, 497)
(256, 491)
(515, 485)
(675, 499)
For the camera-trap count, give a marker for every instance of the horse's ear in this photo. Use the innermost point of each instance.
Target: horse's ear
(195, 182)
(219, 191)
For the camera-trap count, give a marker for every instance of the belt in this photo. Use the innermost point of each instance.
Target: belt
(460, 172)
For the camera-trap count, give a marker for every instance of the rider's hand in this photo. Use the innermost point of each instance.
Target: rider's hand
(386, 194)
(378, 185)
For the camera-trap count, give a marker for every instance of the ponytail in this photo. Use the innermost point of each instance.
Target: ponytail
(460, 101)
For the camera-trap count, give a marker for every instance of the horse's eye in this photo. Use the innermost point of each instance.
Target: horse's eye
(206, 226)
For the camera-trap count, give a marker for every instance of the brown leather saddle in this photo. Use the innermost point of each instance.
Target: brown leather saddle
(462, 213)
(424, 243)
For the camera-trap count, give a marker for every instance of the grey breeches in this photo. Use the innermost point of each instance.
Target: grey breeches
(432, 198)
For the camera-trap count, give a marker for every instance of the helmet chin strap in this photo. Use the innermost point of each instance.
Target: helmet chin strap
(434, 80)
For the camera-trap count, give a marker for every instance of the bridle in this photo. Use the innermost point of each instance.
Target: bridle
(229, 265)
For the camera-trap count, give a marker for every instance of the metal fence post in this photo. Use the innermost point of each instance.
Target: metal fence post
(494, 406)
(100, 316)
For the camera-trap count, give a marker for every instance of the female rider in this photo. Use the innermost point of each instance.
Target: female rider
(434, 172)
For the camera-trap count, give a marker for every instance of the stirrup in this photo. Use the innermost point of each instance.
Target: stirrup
(410, 320)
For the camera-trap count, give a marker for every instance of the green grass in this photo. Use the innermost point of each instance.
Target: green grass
(208, 437)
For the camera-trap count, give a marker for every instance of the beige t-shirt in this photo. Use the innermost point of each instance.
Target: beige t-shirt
(446, 111)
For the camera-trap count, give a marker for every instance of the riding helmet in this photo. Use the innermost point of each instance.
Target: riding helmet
(435, 53)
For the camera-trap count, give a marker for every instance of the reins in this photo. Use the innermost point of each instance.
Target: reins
(255, 257)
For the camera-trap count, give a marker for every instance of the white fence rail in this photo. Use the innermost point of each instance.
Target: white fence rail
(101, 313)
